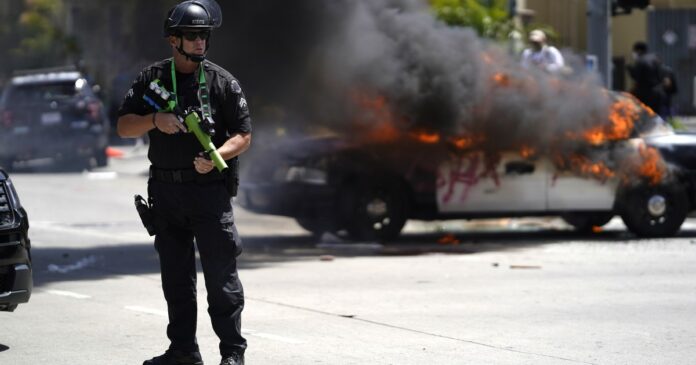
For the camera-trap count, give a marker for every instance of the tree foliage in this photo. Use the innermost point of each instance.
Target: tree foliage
(35, 37)
(490, 18)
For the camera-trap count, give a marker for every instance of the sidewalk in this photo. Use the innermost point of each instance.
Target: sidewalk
(688, 121)
(133, 160)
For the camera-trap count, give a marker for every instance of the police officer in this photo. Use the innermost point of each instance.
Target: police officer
(190, 198)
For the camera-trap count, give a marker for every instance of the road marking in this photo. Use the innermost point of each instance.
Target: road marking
(54, 226)
(155, 312)
(270, 336)
(69, 294)
(81, 264)
(102, 175)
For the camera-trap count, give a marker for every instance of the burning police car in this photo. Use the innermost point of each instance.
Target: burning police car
(15, 248)
(647, 176)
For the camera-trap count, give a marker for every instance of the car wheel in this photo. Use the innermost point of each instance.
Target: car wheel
(11, 307)
(315, 226)
(584, 222)
(6, 164)
(72, 163)
(654, 211)
(100, 158)
(377, 211)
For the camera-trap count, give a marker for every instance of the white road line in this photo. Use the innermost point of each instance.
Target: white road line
(68, 294)
(102, 175)
(79, 265)
(53, 226)
(270, 336)
(155, 312)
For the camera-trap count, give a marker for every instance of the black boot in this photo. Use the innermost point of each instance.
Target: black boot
(234, 359)
(176, 357)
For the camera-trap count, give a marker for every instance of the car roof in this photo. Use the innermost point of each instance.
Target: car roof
(47, 77)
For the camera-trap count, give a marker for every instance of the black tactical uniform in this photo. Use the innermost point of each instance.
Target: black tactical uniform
(190, 205)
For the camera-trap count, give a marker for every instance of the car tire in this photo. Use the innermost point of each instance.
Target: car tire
(377, 211)
(654, 211)
(100, 158)
(6, 164)
(584, 222)
(314, 226)
(11, 307)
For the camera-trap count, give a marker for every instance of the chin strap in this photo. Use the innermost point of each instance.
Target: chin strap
(193, 57)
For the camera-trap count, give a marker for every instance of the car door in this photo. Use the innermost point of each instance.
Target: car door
(570, 192)
(472, 183)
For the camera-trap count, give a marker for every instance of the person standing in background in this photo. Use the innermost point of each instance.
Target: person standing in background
(648, 81)
(541, 55)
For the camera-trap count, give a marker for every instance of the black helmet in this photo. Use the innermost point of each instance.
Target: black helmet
(197, 14)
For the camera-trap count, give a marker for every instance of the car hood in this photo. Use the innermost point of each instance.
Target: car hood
(678, 148)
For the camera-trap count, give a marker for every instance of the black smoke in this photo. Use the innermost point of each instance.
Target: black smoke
(309, 58)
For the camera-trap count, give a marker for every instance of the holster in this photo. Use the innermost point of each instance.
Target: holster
(232, 177)
(146, 214)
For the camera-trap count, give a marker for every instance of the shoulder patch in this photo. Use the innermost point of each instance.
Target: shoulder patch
(235, 87)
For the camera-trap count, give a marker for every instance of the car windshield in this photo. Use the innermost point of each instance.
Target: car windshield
(645, 122)
(654, 126)
(36, 93)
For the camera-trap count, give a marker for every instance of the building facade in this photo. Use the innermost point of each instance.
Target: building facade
(668, 26)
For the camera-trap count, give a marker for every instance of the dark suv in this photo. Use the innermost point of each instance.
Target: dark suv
(55, 114)
(15, 248)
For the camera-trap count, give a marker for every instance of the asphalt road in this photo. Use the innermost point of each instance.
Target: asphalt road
(523, 291)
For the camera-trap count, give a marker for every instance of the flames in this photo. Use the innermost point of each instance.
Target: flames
(425, 137)
(622, 117)
(585, 166)
(464, 142)
(448, 239)
(527, 152)
(381, 124)
(375, 119)
(652, 167)
(501, 79)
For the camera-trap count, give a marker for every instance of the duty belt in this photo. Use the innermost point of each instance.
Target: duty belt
(183, 176)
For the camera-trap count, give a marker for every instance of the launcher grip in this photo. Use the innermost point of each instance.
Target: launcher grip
(193, 124)
(160, 99)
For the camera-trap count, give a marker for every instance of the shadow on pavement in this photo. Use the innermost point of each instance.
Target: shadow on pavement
(3, 348)
(58, 264)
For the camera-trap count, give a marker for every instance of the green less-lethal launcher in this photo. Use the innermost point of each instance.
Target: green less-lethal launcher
(160, 99)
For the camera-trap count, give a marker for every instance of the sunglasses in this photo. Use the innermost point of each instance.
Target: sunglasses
(192, 36)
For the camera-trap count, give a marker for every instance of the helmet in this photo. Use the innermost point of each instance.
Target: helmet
(197, 14)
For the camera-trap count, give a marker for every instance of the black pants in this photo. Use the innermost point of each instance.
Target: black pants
(184, 211)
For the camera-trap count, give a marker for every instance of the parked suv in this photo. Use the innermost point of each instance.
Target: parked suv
(15, 248)
(52, 113)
